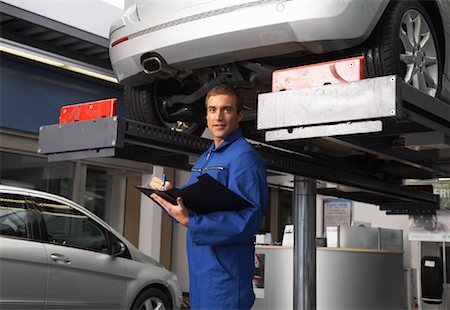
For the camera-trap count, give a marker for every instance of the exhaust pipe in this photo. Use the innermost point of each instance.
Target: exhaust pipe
(152, 65)
(155, 65)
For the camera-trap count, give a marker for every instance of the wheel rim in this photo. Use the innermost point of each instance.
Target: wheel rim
(152, 303)
(418, 53)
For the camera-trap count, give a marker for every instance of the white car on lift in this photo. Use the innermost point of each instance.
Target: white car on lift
(168, 54)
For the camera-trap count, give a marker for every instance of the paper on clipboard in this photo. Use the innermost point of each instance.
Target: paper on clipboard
(204, 196)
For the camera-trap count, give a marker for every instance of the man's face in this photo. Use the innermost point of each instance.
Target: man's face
(222, 116)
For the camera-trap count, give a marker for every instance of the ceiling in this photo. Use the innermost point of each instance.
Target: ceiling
(42, 33)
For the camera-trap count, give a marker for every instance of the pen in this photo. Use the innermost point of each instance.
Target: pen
(163, 180)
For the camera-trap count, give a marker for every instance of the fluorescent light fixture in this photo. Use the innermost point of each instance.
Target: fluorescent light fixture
(27, 52)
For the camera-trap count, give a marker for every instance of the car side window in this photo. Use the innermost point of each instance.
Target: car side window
(69, 227)
(14, 216)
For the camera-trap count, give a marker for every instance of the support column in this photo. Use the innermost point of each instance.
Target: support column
(304, 205)
(444, 271)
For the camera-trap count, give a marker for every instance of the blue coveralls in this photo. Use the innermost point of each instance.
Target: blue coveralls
(220, 244)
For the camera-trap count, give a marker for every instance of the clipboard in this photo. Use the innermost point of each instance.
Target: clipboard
(204, 196)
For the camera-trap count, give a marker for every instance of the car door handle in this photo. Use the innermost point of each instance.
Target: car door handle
(59, 258)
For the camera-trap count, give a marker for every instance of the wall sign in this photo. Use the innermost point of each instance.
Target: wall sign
(434, 228)
(336, 212)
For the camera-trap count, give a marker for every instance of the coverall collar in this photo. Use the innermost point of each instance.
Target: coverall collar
(228, 140)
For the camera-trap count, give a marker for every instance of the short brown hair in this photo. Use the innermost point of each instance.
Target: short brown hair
(225, 89)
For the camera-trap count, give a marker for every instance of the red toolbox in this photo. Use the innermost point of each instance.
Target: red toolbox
(88, 111)
(332, 72)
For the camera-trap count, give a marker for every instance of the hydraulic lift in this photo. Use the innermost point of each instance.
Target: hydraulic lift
(367, 136)
(128, 139)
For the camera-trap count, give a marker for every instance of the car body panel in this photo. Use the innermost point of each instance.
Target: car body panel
(141, 279)
(23, 274)
(210, 34)
(99, 280)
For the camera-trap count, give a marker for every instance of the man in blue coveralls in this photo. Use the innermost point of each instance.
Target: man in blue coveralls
(220, 244)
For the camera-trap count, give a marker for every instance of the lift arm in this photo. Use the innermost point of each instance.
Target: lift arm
(123, 138)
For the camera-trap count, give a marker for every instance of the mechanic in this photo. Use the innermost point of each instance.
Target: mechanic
(220, 245)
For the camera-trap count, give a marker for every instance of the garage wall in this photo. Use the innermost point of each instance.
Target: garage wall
(150, 220)
(179, 255)
(132, 211)
(32, 94)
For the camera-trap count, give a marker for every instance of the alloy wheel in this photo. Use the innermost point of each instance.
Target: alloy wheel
(152, 303)
(418, 53)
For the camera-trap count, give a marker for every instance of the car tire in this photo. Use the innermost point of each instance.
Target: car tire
(395, 50)
(152, 298)
(141, 105)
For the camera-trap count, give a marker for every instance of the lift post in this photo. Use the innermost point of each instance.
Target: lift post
(304, 243)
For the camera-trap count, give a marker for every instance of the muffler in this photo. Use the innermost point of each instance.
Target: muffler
(151, 65)
(154, 65)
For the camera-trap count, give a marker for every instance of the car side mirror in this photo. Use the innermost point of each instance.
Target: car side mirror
(117, 248)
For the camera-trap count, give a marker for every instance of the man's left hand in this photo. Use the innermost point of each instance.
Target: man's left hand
(178, 211)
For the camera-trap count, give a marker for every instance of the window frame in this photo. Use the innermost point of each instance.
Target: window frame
(107, 233)
(32, 233)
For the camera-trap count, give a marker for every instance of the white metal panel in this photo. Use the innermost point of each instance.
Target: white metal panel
(362, 100)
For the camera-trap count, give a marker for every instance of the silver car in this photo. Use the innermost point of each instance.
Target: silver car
(168, 54)
(54, 254)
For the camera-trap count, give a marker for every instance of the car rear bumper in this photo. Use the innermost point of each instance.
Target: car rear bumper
(275, 28)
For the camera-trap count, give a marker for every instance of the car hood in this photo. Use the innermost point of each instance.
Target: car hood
(143, 258)
(135, 253)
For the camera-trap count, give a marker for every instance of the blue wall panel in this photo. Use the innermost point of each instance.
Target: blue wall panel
(31, 96)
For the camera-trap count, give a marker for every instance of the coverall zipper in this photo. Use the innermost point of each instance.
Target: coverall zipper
(204, 168)
(206, 161)
(204, 164)
(214, 168)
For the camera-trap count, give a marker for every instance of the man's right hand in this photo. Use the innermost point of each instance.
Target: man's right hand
(157, 183)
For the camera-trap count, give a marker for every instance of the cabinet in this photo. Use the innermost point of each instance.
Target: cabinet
(346, 279)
